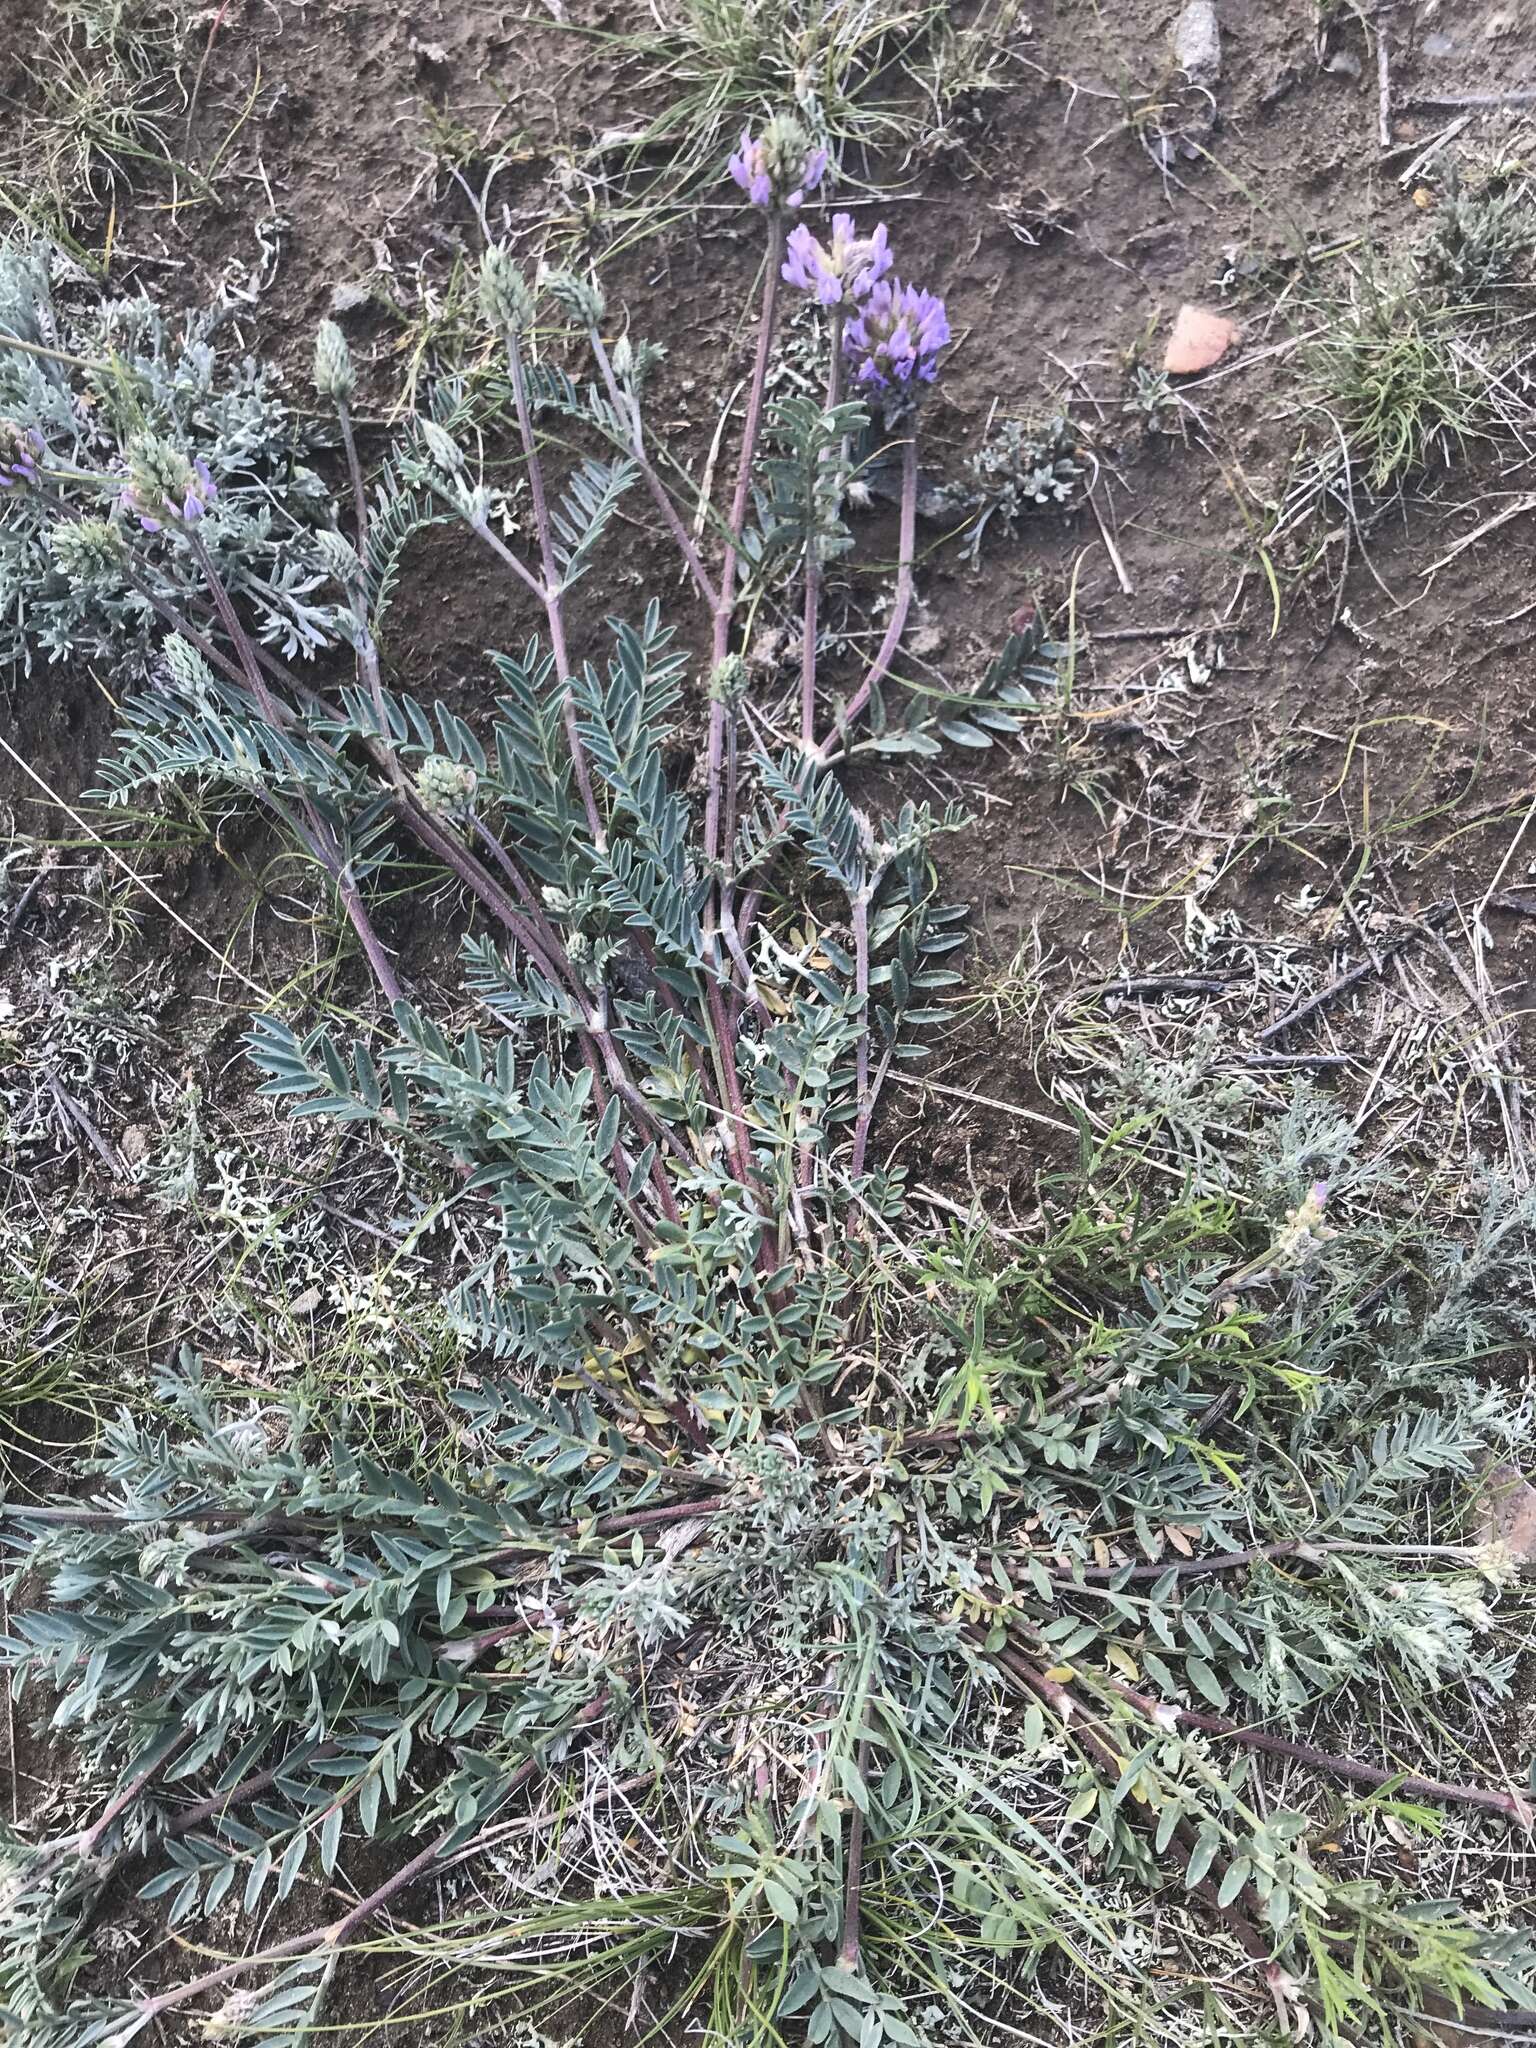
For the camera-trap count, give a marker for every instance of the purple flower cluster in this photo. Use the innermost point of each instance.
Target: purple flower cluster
(896, 336)
(895, 331)
(21, 450)
(842, 272)
(778, 167)
(163, 488)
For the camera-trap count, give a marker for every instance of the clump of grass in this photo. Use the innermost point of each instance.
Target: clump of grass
(1389, 384)
(1411, 366)
(865, 74)
(49, 1365)
(722, 61)
(957, 73)
(105, 94)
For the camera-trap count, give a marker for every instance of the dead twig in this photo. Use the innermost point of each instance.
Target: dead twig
(18, 916)
(1515, 98)
(72, 1113)
(1126, 585)
(1343, 983)
(1513, 510)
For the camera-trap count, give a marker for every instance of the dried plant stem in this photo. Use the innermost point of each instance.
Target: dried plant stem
(809, 624)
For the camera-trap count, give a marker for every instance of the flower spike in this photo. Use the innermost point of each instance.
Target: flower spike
(844, 271)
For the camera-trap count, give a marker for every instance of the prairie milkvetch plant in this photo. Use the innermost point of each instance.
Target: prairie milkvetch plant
(865, 1633)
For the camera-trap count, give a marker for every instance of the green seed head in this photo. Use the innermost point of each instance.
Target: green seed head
(728, 684)
(504, 293)
(442, 447)
(338, 557)
(579, 296)
(335, 377)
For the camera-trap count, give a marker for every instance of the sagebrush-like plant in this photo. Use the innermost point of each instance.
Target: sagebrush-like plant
(894, 1634)
(86, 375)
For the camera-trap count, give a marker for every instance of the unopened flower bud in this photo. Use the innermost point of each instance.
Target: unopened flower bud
(442, 447)
(579, 296)
(504, 291)
(728, 684)
(623, 359)
(445, 786)
(90, 552)
(338, 557)
(335, 377)
(233, 2016)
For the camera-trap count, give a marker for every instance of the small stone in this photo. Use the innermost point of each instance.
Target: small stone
(1499, 25)
(134, 1144)
(350, 297)
(1199, 339)
(1506, 1512)
(1343, 64)
(1197, 43)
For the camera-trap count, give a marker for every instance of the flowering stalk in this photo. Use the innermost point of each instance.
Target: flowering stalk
(901, 605)
(335, 378)
(725, 606)
(629, 412)
(315, 834)
(21, 450)
(554, 608)
(863, 1095)
(809, 620)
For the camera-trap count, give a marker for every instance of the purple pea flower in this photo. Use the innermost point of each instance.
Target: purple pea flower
(896, 335)
(21, 449)
(845, 271)
(163, 487)
(778, 167)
